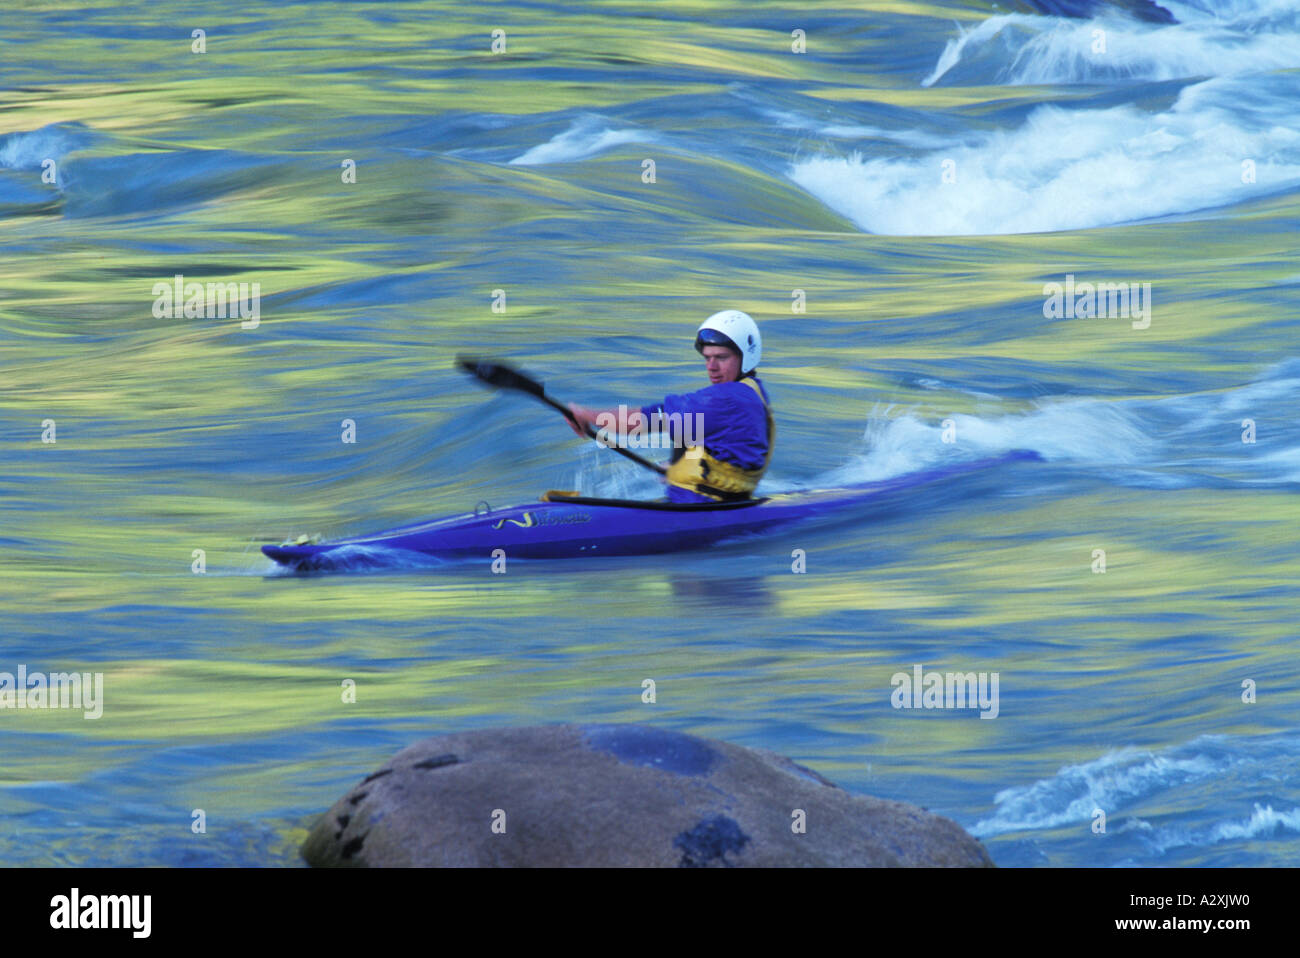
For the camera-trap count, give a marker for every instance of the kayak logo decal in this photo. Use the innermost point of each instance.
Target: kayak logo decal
(528, 517)
(533, 519)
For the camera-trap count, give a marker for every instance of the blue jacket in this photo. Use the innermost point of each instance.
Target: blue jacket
(734, 421)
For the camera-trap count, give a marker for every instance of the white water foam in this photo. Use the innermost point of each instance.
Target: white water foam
(1153, 442)
(586, 137)
(1109, 782)
(28, 150)
(1074, 169)
(1247, 36)
(1085, 430)
(1128, 777)
(1263, 822)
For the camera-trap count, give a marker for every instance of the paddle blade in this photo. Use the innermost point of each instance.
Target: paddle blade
(501, 376)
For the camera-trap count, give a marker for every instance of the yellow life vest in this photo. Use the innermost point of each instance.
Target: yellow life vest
(698, 471)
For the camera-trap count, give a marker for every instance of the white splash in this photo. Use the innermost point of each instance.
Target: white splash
(586, 137)
(1074, 169)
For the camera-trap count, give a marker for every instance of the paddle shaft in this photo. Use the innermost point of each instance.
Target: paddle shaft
(591, 433)
(495, 374)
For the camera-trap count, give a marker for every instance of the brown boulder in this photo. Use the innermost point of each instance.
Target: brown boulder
(618, 795)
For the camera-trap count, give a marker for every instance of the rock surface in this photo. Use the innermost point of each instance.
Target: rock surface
(618, 795)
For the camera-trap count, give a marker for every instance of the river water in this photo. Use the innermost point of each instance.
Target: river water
(893, 204)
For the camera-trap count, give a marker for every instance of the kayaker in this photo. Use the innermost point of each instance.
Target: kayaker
(728, 461)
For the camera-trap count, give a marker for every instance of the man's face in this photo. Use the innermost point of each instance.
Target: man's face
(722, 364)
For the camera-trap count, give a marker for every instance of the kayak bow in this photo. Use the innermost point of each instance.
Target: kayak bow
(566, 525)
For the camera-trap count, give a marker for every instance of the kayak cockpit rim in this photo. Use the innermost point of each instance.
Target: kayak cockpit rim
(572, 498)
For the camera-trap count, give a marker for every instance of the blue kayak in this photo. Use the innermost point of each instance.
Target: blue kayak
(567, 525)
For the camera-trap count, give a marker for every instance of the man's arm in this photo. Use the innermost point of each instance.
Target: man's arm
(634, 419)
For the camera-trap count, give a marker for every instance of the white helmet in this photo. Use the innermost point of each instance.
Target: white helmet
(735, 330)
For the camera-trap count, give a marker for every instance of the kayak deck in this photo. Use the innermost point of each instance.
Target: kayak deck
(567, 525)
(561, 527)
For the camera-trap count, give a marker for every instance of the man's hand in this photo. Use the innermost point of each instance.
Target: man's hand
(582, 416)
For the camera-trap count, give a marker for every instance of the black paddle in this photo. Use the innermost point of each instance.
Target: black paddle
(503, 377)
